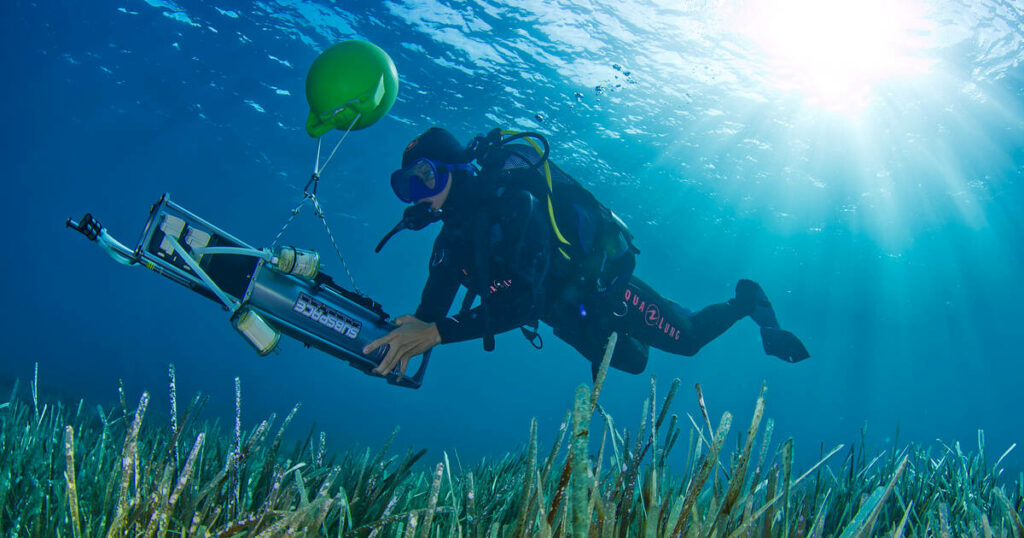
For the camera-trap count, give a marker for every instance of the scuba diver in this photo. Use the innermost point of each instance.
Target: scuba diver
(532, 244)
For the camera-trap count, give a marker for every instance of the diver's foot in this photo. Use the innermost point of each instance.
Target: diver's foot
(752, 301)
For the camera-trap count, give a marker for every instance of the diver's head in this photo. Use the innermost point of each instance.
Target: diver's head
(429, 163)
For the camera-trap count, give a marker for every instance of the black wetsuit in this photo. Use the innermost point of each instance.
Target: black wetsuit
(516, 268)
(526, 283)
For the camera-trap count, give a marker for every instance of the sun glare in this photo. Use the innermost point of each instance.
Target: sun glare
(835, 52)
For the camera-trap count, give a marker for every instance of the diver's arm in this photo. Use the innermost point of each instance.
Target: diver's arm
(412, 337)
(443, 281)
(509, 308)
(418, 333)
(438, 294)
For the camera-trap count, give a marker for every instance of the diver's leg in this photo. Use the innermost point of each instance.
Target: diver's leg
(710, 323)
(666, 325)
(658, 322)
(630, 355)
(663, 324)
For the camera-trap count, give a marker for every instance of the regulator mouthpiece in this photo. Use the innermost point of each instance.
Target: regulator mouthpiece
(415, 217)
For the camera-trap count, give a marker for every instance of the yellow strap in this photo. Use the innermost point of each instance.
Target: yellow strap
(551, 207)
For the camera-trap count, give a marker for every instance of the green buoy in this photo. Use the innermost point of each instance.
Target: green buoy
(349, 80)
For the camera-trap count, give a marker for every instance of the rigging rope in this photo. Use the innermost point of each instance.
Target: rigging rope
(310, 195)
(320, 168)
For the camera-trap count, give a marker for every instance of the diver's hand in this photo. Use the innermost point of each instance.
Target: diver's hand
(412, 337)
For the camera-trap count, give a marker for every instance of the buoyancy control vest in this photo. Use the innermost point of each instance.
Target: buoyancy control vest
(592, 253)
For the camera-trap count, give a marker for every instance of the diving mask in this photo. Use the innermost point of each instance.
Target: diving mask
(423, 178)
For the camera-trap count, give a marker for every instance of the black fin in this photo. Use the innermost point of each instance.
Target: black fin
(783, 344)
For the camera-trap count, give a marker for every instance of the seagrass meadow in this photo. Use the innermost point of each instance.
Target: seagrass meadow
(73, 470)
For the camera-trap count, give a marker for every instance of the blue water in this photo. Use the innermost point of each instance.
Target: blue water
(883, 217)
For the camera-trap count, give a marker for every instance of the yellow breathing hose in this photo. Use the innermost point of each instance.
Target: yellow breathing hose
(551, 207)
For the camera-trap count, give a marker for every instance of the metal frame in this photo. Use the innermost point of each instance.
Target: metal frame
(271, 294)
